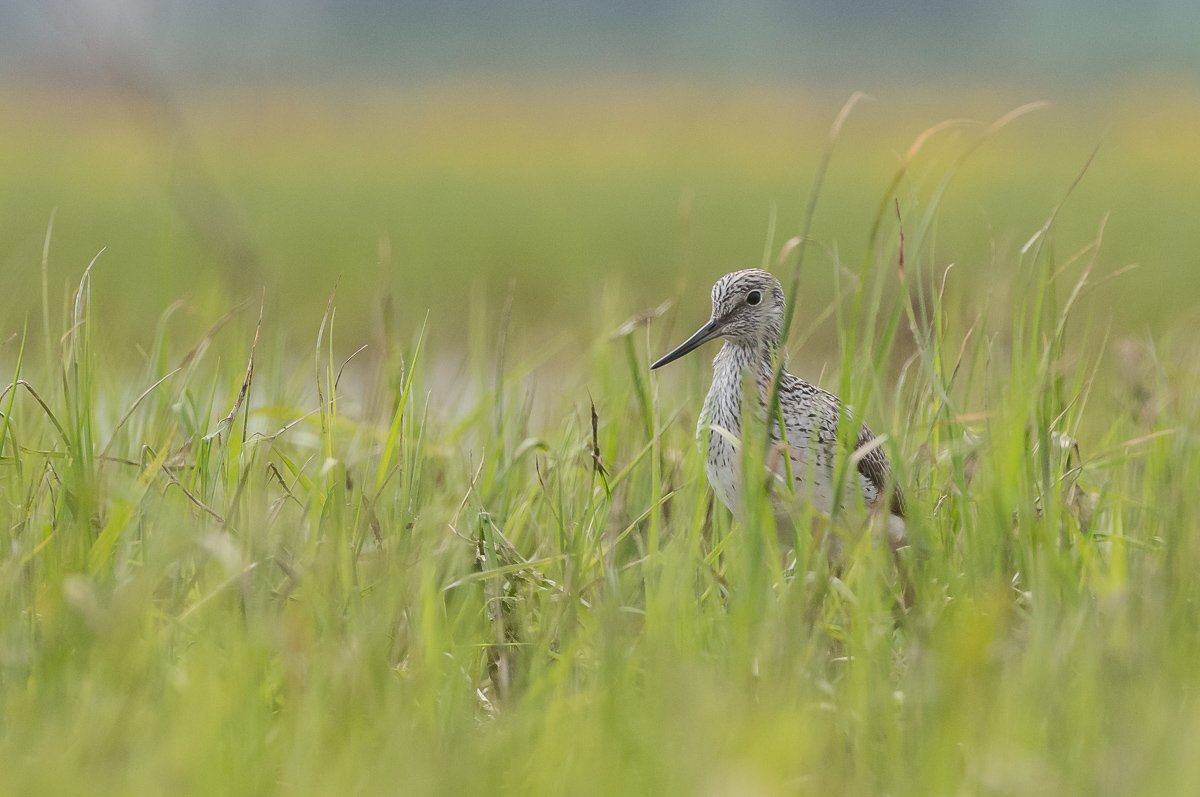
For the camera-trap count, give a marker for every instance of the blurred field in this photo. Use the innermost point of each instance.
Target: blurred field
(428, 570)
(559, 192)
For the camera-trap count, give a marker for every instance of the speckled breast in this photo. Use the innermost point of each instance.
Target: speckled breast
(722, 409)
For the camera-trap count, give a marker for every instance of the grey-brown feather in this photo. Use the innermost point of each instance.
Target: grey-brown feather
(874, 467)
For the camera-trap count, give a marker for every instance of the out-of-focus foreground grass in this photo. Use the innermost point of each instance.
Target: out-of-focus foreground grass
(432, 570)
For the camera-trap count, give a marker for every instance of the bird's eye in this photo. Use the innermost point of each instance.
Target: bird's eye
(753, 297)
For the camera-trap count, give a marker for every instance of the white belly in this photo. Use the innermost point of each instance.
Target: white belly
(723, 456)
(724, 470)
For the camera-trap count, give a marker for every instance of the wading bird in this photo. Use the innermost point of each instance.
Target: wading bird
(748, 312)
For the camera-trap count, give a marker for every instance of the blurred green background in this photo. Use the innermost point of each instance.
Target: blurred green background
(552, 151)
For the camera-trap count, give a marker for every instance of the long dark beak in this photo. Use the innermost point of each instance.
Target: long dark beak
(701, 336)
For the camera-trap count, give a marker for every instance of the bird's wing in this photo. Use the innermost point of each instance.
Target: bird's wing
(875, 468)
(813, 417)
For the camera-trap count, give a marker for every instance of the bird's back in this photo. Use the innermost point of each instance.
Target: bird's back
(811, 417)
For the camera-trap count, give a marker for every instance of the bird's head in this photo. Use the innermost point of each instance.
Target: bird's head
(747, 308)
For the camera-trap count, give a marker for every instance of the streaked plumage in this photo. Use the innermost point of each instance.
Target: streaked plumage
(748, 312)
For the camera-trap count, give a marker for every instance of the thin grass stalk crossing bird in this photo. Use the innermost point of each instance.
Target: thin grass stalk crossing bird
(748, 312)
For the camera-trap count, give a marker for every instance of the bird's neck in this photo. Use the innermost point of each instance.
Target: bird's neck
(748, 354)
